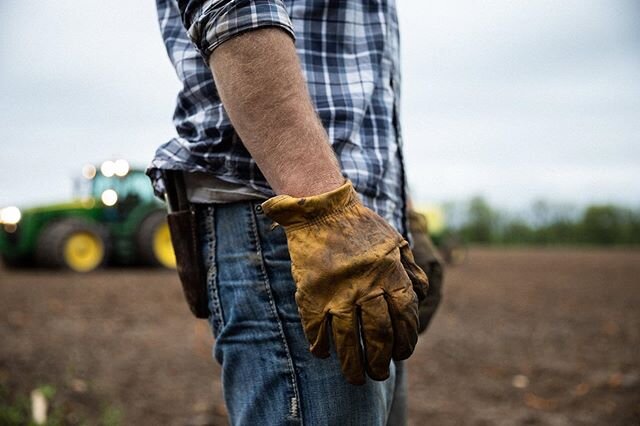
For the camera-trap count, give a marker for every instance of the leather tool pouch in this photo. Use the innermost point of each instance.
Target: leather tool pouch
(184, 236)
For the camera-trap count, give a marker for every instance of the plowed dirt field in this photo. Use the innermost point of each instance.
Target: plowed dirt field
(524, 337)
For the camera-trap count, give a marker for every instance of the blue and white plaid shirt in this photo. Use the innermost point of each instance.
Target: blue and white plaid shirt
(349, 52)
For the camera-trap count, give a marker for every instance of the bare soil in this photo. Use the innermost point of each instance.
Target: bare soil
(524, 337)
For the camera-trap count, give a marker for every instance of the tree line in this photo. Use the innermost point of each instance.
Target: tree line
(545, 223)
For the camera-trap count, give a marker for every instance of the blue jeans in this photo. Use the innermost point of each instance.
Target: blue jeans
(269, 377)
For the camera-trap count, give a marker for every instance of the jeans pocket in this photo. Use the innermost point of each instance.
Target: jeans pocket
(207, 225)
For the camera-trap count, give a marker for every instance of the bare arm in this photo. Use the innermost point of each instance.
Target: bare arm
(262, 88)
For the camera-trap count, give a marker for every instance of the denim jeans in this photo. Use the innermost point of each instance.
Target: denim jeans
(269, 377)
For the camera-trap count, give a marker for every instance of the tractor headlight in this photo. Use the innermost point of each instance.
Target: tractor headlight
(109, 197)
(121, 167)
(10, 215)
(108, 168)
(89, 171)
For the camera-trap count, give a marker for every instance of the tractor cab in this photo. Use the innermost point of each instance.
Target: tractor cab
(116, 186)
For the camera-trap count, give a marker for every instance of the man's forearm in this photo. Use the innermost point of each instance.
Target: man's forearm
(260, 82)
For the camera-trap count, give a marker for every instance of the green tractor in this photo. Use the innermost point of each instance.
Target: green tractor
(114, 219)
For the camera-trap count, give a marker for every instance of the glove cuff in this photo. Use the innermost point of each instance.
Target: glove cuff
(292, 211)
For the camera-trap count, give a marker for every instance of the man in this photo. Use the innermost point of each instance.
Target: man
(291, 156)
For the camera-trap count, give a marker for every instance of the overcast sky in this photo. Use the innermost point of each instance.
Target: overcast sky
(512, 100)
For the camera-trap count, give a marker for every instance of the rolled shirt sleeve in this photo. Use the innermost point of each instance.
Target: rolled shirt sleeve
(210, 23)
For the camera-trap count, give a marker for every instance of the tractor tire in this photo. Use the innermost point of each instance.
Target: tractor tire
(74, 244)
(153, 241)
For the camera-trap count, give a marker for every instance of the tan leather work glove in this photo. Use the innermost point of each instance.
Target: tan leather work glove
(355, 275)
(427, 257)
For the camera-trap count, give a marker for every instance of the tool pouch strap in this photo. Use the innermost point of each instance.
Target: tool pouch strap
(183, 226)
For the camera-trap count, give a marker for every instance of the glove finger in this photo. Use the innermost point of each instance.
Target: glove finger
(403, 307)
(416, 274)
(320, 343)
(377, 333)
(347, 340)
(315, 325)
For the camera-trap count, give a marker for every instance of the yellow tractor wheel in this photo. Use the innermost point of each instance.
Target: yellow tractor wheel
(83, 251)
(73, 243)
(163, 248)
(154, 241)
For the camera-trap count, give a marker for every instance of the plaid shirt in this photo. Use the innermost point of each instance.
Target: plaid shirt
(349, 51)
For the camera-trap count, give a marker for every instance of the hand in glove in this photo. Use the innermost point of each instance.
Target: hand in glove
(428, 258)
(355, 277)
